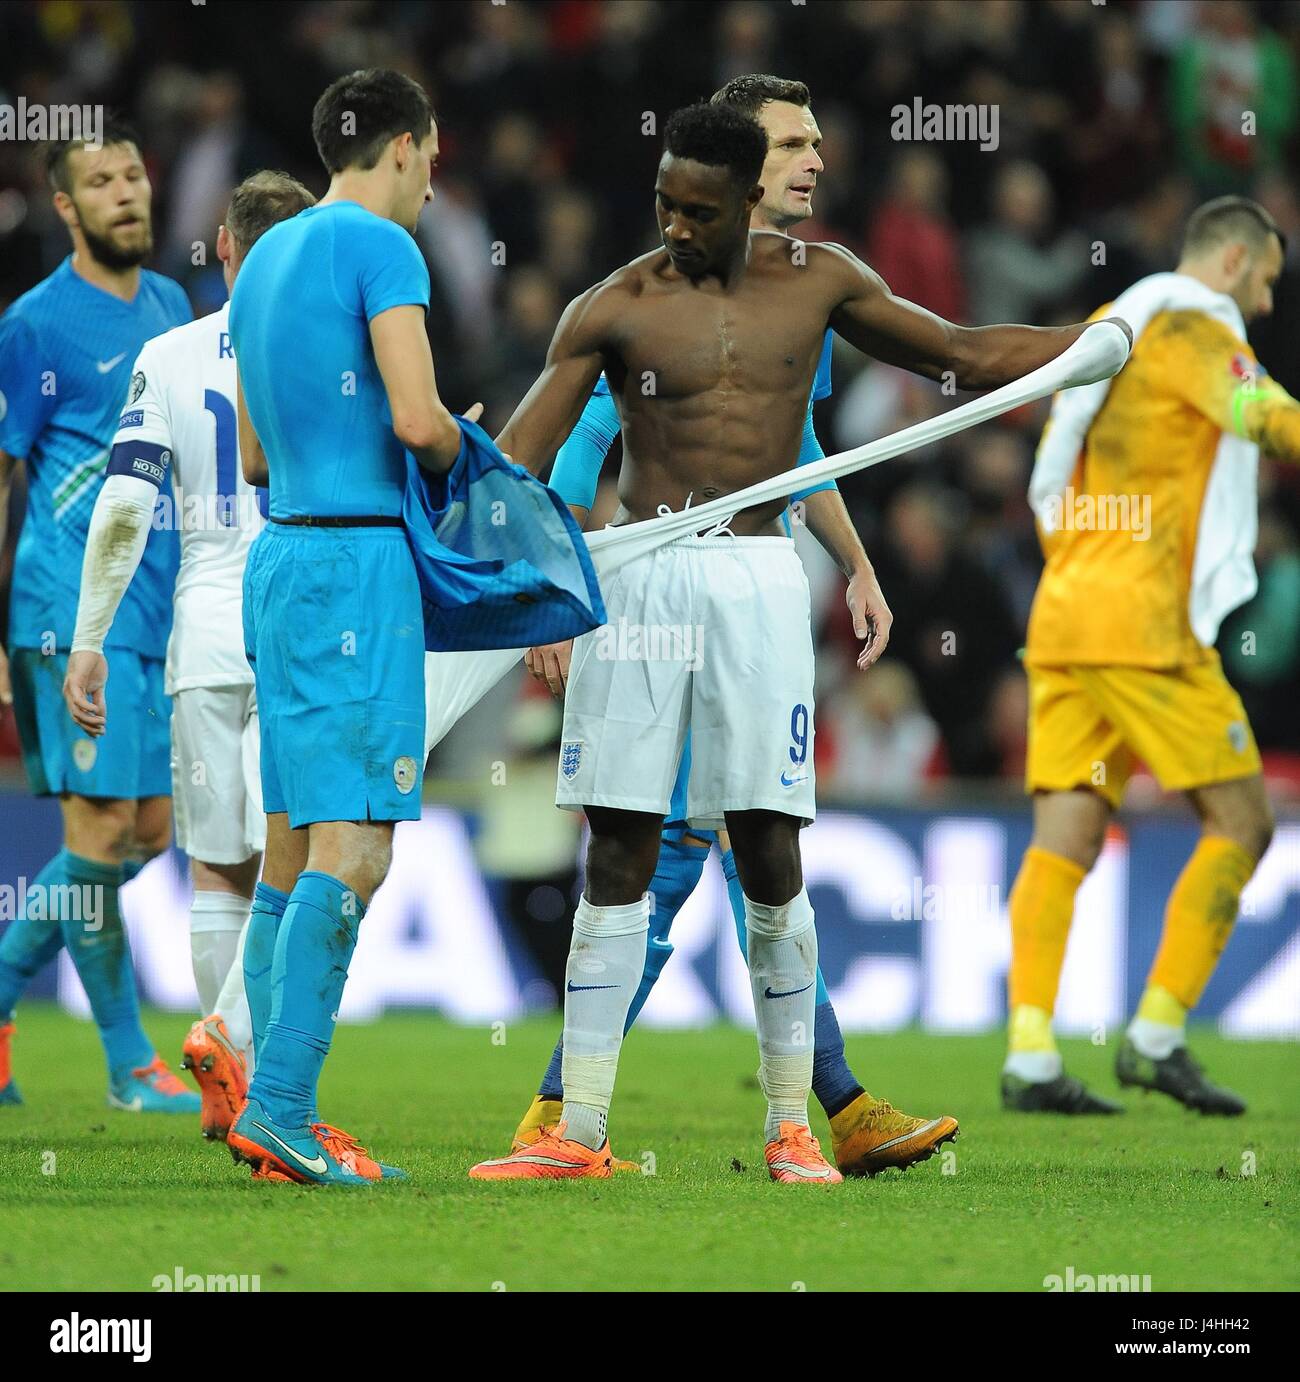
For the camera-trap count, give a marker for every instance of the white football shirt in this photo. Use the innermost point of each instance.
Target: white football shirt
(182, 397)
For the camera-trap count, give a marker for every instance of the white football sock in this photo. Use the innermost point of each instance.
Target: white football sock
(782, 949)
(1038, 1067)
(232, 1006)
(216, 921)
(606, 961)
(1156, 1040)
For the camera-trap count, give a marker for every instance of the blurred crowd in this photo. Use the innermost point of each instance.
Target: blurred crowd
(1114, 121)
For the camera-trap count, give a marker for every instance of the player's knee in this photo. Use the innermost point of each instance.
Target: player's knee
(622, 856)
(1077, 835)
(102, 830)
(148, 844)
(1085, 847)
(358, 856)
(1241, 813)
(766, 849)
(1257, 830)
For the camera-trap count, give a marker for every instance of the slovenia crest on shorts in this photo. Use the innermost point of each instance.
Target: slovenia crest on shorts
(570, 759)
(404, 773)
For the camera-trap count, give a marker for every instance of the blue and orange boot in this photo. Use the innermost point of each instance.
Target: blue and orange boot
(152, 1089)
(221, 1073)
(317, 1154)
(8, 1085)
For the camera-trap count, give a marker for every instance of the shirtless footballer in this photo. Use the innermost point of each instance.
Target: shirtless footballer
(709, 346)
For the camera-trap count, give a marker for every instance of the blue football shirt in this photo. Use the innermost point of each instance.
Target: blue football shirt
(66, 351)
(300, 324)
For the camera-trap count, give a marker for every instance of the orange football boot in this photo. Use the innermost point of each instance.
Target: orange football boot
(221, 1072)
(551, 1157)
(795, 1158)
(870, 1135)
(544, 1113)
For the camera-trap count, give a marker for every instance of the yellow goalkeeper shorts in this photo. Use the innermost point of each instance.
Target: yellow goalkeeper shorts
(1089, 726)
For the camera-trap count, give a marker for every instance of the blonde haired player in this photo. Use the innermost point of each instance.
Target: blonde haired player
(1145, 487)
(181, 417)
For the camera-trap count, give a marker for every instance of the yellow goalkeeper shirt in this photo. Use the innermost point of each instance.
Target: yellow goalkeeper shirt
(1116, 586)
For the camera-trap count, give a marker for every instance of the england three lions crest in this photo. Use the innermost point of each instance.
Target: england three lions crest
(570, 759)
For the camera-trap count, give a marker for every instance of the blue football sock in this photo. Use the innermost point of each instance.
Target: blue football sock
(834, 1083)
(259, 956)
(552, 1086)
(32, 940)
(97, 943)
(677, 874)
(312, 952)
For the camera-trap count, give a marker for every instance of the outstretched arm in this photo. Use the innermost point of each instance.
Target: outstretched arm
(540, 424)
(900, 333)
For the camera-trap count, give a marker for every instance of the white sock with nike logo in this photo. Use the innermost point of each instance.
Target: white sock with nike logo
(782, 949)
(606, 961)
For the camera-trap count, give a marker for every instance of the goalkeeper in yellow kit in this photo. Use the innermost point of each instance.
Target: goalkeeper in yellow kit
(1145, 490)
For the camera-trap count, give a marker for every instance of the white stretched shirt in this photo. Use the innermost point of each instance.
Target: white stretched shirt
(182, 397)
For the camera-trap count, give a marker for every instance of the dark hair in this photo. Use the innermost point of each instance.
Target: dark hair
(754, 90)
(114, 131)
(1229, 218)
(720, 136)
(260, 201)
(358, 114)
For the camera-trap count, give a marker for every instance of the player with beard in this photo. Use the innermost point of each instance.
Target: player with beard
(66, 349)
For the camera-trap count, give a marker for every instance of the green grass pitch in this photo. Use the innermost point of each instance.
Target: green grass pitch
(1194, 1203)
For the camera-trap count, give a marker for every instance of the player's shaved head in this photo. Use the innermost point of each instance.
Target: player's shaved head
(1227, 220)
(360, 113)
(261, 201)
(1234, 246)
(719, 136)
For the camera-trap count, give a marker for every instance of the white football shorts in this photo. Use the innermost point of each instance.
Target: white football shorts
(216, 774)
(707, 637)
